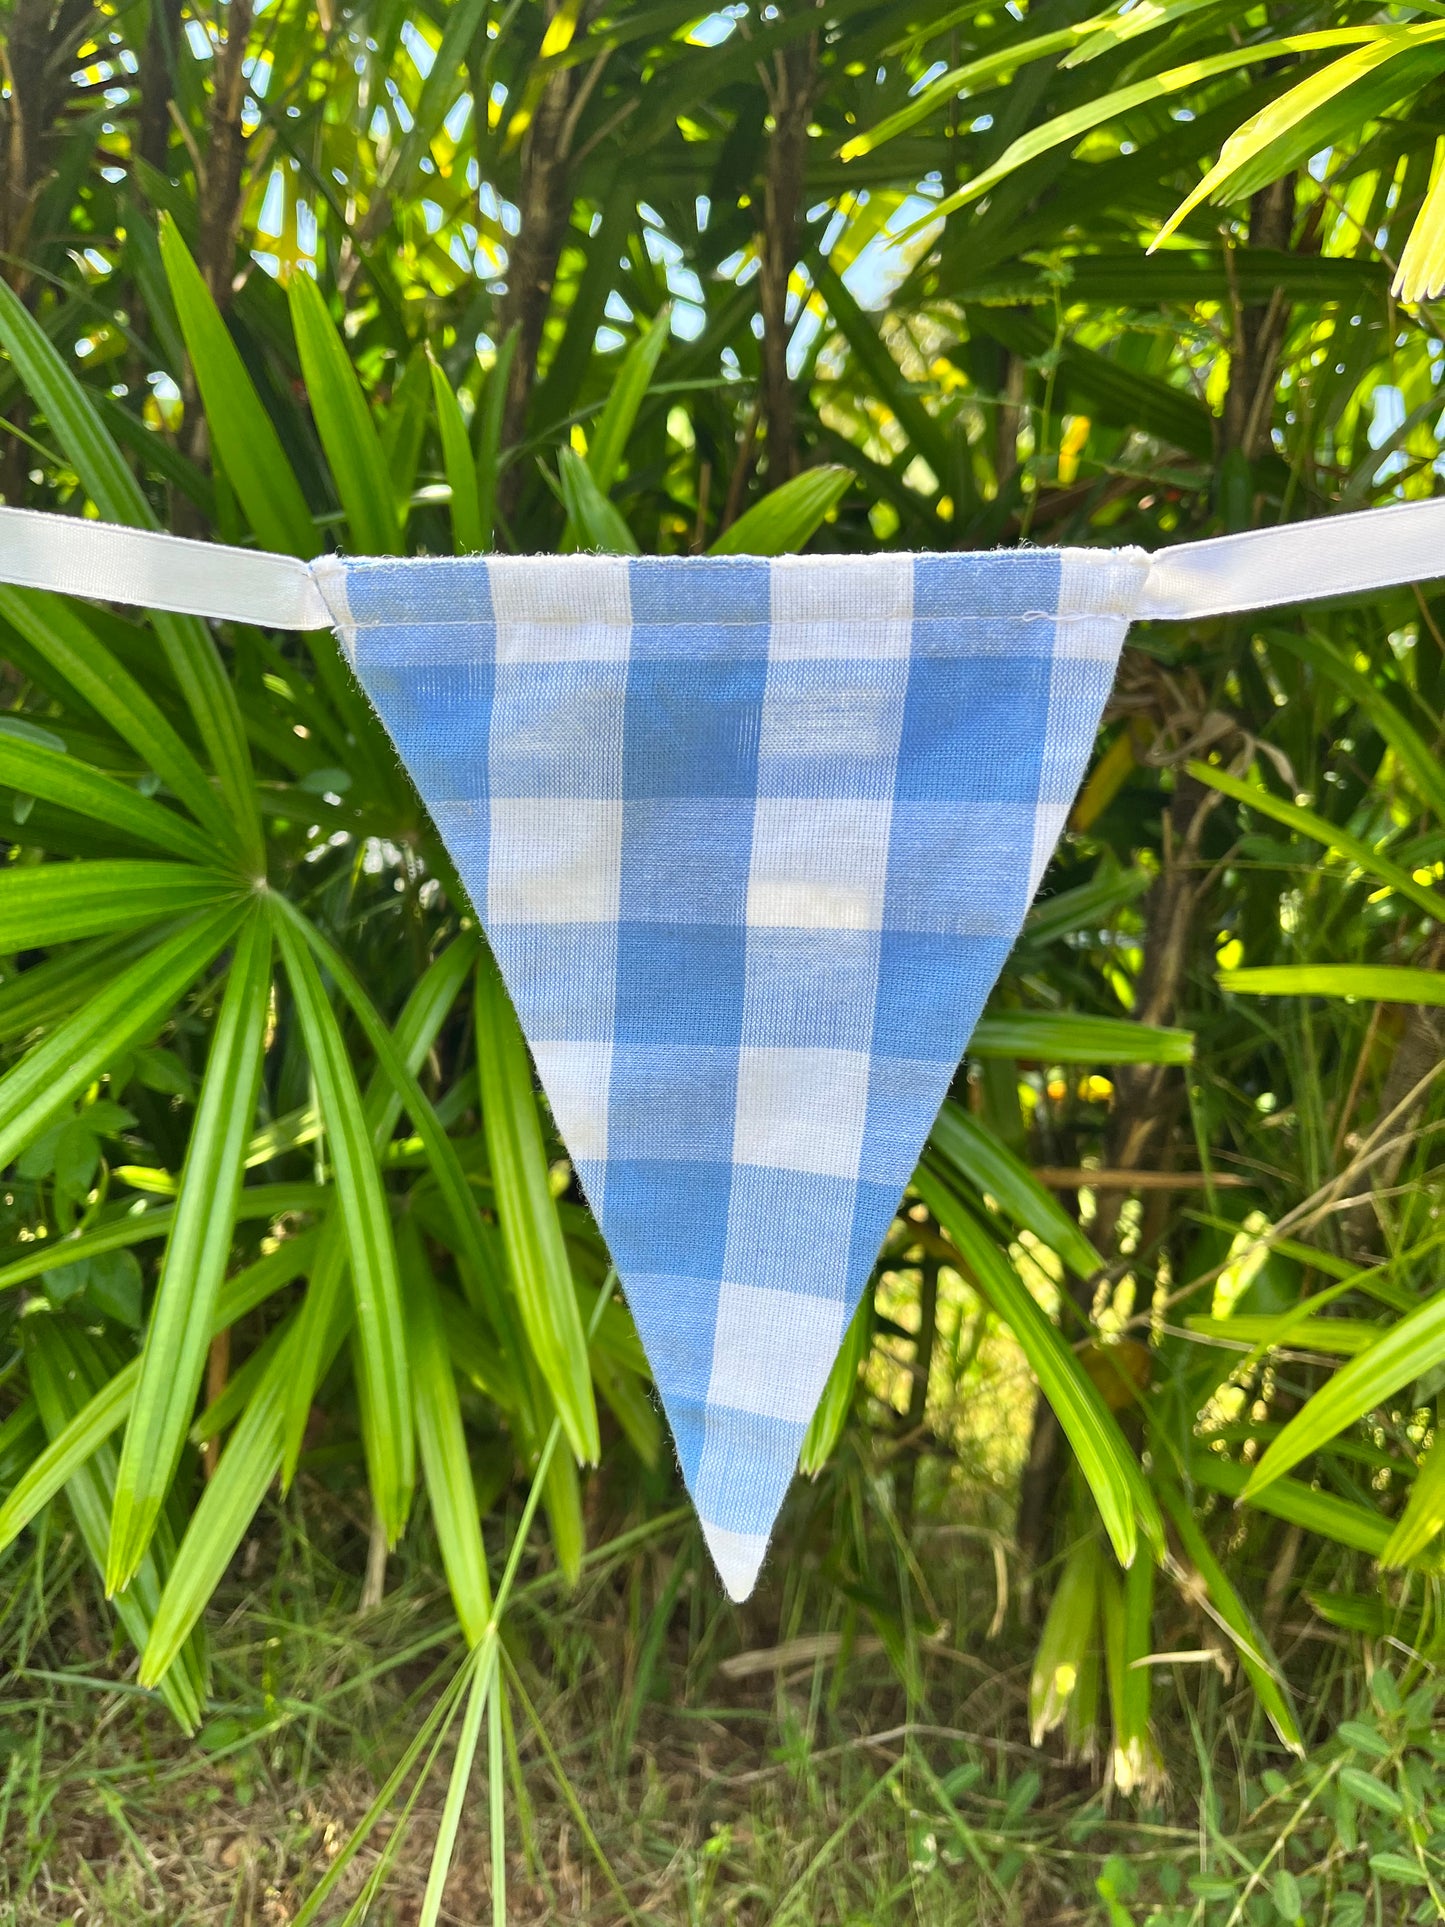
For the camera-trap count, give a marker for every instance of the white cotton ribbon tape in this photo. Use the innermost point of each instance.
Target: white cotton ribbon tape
(1297, 562)
(1263, 568)
(113, 564)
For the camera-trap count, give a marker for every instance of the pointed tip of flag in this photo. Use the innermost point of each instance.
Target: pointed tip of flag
(738, 1557)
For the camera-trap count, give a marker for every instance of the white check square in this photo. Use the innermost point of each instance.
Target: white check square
(802, 1110)
(577, 1078)
(772, 1350)
(819, 863)
(554, 860)
(574, 608)
(841, 607)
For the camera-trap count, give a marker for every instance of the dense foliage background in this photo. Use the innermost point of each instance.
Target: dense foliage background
(285, 1239)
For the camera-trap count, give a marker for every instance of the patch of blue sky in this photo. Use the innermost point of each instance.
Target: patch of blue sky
(740, 266)
(423, 54)
(399, 106)
(881, 265)
(273, 205)
(683, 285)
(661, 248)
(714, 28)
(1387, 418)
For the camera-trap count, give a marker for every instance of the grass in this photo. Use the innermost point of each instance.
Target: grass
(669, 1758)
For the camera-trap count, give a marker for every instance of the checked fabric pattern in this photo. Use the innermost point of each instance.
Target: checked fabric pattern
(751, 841)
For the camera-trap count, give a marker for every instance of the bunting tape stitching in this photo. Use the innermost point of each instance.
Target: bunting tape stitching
(1260, 568)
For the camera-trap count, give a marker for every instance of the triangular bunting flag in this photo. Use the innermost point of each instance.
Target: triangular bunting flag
(751, 841)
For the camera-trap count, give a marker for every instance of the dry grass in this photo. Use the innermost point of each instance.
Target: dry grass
(840, 1750)
(819, 1755)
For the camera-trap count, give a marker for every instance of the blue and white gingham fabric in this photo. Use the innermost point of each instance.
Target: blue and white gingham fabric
(751, 841)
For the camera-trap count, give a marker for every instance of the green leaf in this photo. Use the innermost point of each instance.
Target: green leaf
(71, 1447)
(1343, 1521)
(1345, 1336)
(242, 433)
(439, 90)
(562, 1498)
(527, 1212)
(592, 522)
(958, 82)
(1379, 983)
(1088, 906)
(66, 1371)
(1237, 171)
(441, 1438)
(825, 1427)
(261, 1201)
(225, 1509)
(782, 522)
(403, 430)
(1046, 1039)
(1417, 756)
(109, 1408)
(425, 1011)
(416, 1030)
(461, 470)
(1128, 1612)
(50, 903)
(59, 632)
(1069, 127)
(1287, 1902)
(174, 1356)
(1113, 1473)
(361, 1200)
(72, 416)
(126, 1011)
(1420, 1523)
(1320, 830)
(608, 442)
(1229, 1611)
(926, 435)
(1421, 274)
(489, 439)
(1067, 1641)
(975, 1154)
(1374, 1793)
(343, 421)
(485, 1687)
(74, 785)
(1394, 1866)
(1402, 1352)
(44, 993)
(116, 493)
